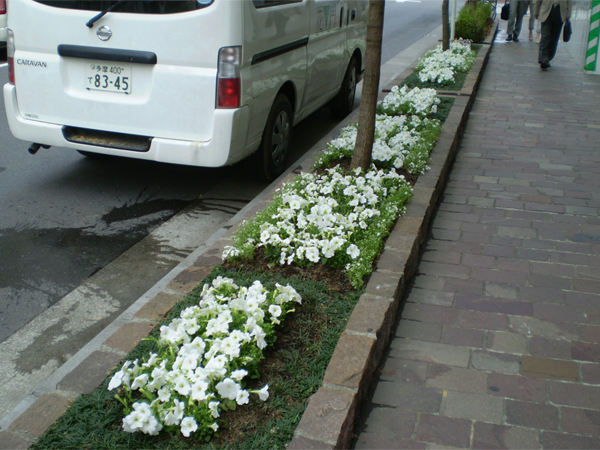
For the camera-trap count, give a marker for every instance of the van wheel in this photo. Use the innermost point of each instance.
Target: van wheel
(342, 104)
(271, 157)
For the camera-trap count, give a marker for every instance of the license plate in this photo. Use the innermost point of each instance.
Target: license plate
(108, 77)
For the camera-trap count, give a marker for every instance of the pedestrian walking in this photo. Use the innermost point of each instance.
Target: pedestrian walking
(518, 8)
(551, 14)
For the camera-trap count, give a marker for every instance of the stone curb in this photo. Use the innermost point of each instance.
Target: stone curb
(329, 418)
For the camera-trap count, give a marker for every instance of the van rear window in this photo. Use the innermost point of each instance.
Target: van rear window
(131, 6)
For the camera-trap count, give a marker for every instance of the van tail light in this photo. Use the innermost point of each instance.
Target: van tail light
(229, 90)
(10, 55)
(2, 6)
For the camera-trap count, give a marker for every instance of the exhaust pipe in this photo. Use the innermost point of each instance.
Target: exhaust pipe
(35, 147)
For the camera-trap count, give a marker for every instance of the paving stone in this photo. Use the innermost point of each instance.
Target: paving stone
(493, 305)
(430, 352)
(158, 306)
(554, 369)
(495, 362)
(485, 408)
(41, 414)
(383, 284)
(369, 441)
(466, 337)
(407, 371)
(549, 348)
(390, 422)
(372, 315)
(189, 278)
(407, 396)
(490, 436)
(432, 297)
(584, 351)
(463, 286)
(90, 373)
(517, 387)
(351, 360)
(12, 441)
(590, 333)
(580, 421)
(427, 282)
(573, 394)
(429, 313)
(422, 331)
(530, 326)
(457, 379)
(129, 335)
(562, 441)
(444, 430)
(496, 290)
(504, 341)
(531, 415)
(590, 373)
(558, 313)
(482, 320)
(541, 294)
(326, 417)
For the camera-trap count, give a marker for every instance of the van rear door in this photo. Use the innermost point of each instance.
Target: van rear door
(148, 68)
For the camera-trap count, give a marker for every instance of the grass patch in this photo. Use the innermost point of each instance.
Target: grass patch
(294, 369)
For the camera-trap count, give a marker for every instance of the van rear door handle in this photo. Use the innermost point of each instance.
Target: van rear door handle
(353, 15)
(341, 17)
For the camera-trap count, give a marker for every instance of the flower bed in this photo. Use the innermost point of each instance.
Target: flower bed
(202, 360)
(341, 218)
(445, 70)
(192, 373)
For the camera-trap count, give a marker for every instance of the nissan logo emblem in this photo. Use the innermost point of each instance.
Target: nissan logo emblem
(104, 33)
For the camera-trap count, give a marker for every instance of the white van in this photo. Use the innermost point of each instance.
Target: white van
(2, 23)
(196, 82)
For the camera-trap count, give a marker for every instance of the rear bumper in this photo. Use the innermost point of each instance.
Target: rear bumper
(225, 147)
(3, 37)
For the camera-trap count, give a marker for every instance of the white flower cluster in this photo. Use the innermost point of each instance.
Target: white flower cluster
(203, 358)
(395, 138)
(416, 101)
(438, 66)
(318, 216)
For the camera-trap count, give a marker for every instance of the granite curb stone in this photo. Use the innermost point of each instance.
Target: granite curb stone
(329, 418)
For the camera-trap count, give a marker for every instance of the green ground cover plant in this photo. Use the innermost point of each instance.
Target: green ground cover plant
(474, 22)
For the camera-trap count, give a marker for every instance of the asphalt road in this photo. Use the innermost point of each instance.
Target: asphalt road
(82, 239)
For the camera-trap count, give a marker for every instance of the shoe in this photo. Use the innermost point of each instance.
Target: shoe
(516, 39)
(537, 38)
(544, 65)
(530, 36)
(509, 38)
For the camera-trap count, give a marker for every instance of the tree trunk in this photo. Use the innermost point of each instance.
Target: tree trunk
(445, 26)
(368, 102)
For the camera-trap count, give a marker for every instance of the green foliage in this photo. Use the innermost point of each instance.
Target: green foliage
(474, 22)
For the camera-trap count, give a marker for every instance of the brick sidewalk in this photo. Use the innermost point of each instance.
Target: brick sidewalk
(498, 345)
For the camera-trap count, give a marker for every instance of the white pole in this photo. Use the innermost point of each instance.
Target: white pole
(452, 19)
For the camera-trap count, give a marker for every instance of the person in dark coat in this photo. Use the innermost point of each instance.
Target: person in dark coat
(551, 14)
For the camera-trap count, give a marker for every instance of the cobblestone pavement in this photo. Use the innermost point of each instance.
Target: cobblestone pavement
(498, 345)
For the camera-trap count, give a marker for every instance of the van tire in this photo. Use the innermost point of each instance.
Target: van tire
(270, 160)
(343, 102)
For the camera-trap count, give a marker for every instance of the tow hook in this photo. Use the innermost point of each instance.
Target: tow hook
(35, 147)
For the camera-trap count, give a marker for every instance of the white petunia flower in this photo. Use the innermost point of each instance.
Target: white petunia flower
(188, 426)
(228, 389)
